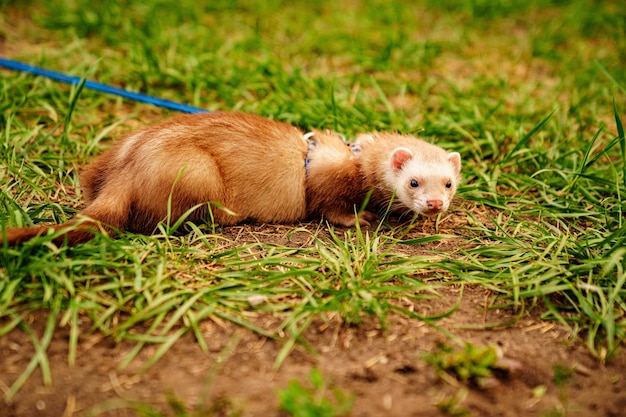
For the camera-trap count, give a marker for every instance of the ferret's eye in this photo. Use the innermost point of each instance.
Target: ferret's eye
(449, 184)
(414, 183)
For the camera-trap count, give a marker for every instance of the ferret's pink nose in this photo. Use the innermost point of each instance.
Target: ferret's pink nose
(435, 204)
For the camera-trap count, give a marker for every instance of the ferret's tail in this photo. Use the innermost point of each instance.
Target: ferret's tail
(73, 232)
(106, 214)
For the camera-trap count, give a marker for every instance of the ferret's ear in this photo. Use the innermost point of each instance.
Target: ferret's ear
(455, 160)
(399, 157)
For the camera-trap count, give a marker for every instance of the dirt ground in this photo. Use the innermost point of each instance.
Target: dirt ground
(384, 369)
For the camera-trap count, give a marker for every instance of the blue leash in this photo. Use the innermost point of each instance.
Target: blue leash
(57, 76)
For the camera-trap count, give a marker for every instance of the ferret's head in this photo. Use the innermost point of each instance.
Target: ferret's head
(424, 182)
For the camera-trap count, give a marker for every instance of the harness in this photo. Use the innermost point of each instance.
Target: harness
(311, 143)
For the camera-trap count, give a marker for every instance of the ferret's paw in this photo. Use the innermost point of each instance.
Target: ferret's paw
(340, 219)
(349, 219)
(366, 218)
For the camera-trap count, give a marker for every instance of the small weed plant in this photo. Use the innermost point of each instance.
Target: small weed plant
(474, 364)
(315, 400)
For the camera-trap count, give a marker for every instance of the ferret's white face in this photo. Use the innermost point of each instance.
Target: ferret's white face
(423, 186)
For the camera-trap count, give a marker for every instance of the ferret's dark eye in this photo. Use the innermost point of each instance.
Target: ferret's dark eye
(414, 183)
(449, 184)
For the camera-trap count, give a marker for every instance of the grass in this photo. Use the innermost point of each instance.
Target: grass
(531, 94)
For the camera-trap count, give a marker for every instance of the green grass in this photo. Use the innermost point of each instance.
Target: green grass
(532, 94)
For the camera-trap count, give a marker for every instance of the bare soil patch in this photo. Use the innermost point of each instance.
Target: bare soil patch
(384, 369)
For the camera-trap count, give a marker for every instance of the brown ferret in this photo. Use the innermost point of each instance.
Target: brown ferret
(230, 167)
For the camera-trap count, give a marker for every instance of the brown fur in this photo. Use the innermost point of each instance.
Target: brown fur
(335, 185)
(251, 166)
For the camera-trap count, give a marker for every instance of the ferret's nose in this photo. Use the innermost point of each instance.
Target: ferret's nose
(434, 204)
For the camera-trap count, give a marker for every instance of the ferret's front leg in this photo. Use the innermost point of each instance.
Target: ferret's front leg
(341, 218)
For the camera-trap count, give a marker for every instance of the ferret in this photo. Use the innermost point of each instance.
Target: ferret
(230, 167)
